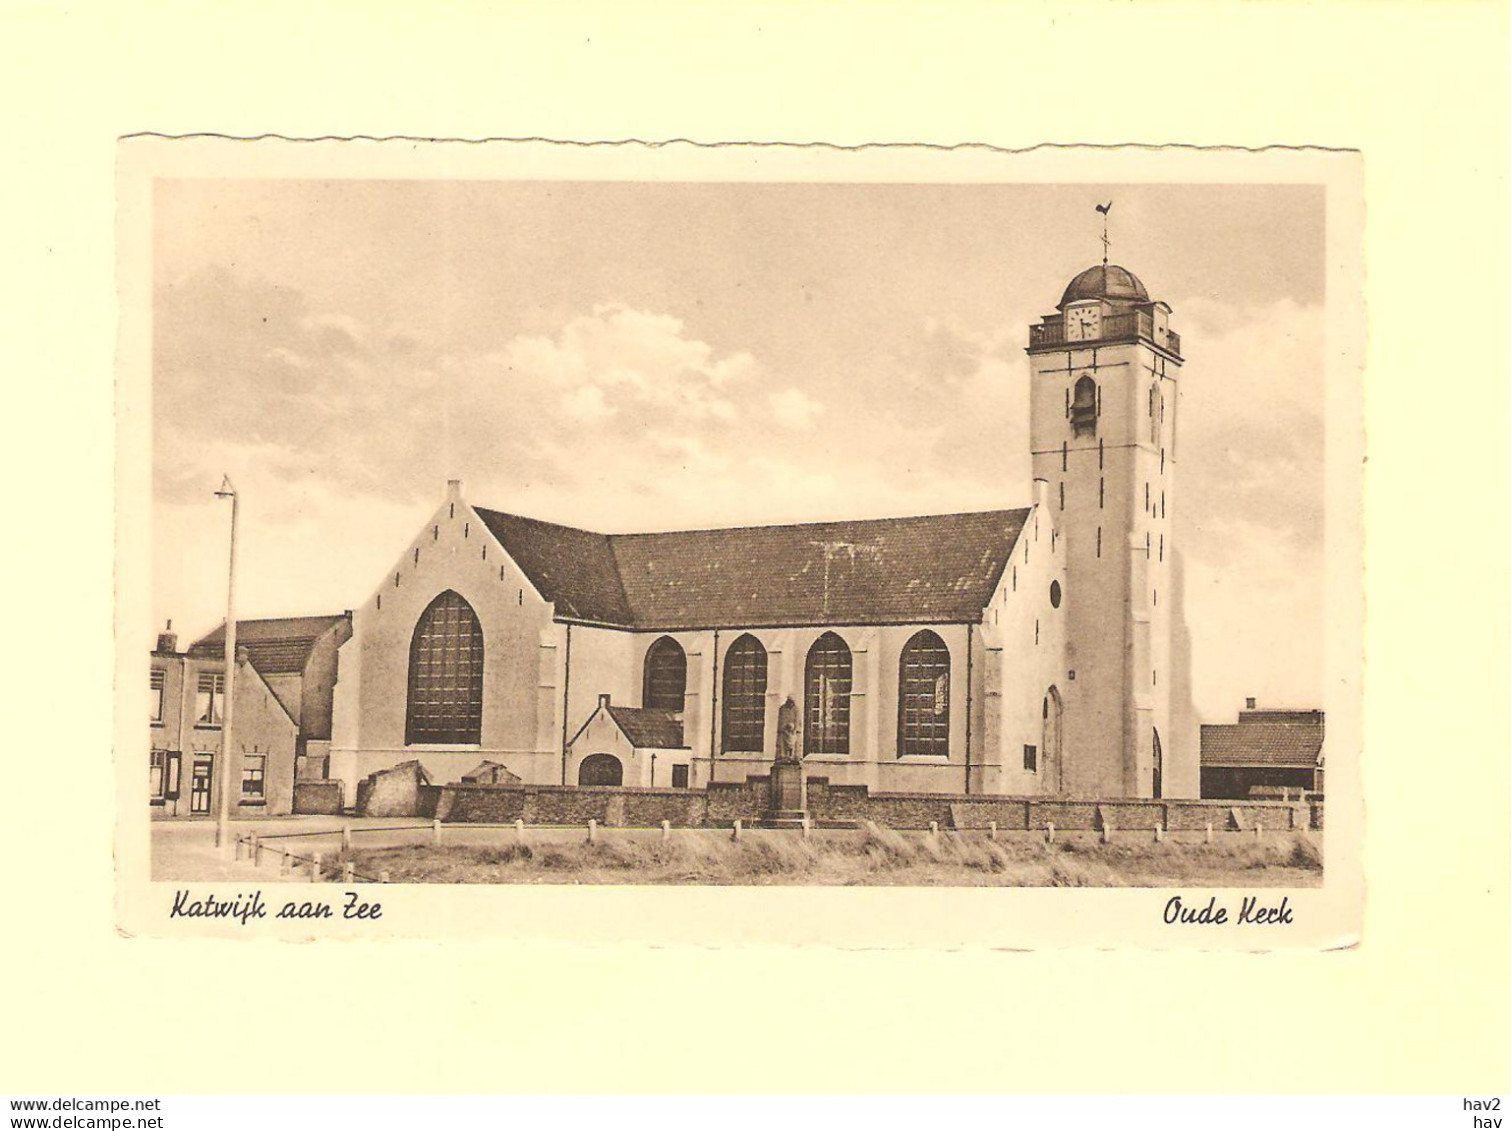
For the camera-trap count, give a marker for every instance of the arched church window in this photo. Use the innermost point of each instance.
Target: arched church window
(745, 696)
(445, 674)
(826, 696)
(1083, 407)
(665, 675)
(923, 696)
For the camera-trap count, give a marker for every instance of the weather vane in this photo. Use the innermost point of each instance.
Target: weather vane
(1104, 209)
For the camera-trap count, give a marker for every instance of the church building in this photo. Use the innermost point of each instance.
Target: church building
(1023, 652)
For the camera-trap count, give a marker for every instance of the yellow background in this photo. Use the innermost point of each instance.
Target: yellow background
(1421, 1005)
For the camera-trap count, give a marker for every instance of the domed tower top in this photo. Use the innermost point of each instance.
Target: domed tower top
(1105, 281)
(1105, 304)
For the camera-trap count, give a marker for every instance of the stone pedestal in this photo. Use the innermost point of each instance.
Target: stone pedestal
(788, 802)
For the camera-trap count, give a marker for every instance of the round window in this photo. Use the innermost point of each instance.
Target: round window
(1054, 594)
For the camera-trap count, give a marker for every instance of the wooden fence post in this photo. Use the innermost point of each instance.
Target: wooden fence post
(435, 832)
(383, 877)
(736, 835)
(991, 830)
(1209, 832)
(807, 827)
(666, 831)
(519, 831)
(1051, 831)
(933, 828)
(256, 849)
(283, 863)
(592, 831)
(346, 837)
(315, 868)
(348, 873)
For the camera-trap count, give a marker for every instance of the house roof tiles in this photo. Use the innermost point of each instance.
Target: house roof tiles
(648, 727)
(1262, 743)
(275, 646)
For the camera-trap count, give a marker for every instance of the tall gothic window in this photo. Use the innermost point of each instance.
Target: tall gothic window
(665, 675)
(745, 696)
(445, 674)
(923, 696)
(827, 697)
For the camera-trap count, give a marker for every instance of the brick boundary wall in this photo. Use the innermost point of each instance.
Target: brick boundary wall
(723, 803)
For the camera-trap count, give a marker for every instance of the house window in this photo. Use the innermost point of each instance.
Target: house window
(923, 697)
(744, 697)
(159, 774)
(1031, 758)
(207, 702)
(158, 677)
(254, 770)
(679, 776)
(445, 674)
(665, 675)
(827, 697)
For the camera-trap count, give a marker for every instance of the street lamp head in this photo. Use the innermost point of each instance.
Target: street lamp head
(227, 491)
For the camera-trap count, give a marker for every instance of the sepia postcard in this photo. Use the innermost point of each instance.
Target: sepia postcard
(898, 546)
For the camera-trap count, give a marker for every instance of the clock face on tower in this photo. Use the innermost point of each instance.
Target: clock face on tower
(1082, 324)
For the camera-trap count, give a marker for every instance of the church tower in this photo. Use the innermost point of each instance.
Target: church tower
(1102, 431)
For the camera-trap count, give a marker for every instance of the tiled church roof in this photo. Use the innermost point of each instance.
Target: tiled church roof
(875, 571)
(275, 646)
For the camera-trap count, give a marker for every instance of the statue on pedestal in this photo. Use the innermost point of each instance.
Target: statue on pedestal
(788, 749)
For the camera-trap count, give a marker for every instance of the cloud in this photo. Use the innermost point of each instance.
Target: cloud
(586, 403)
(794, 408)
(1249, 515)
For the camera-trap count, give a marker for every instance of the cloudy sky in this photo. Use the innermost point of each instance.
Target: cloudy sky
(644, 357)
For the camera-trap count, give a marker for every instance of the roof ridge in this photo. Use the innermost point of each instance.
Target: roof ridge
(759, 525)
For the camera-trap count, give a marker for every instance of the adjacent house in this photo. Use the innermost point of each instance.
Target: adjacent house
(188, 767)
(1267, 751)
(296, 657)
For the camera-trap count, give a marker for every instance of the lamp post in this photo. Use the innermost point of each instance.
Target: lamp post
(223, 818)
